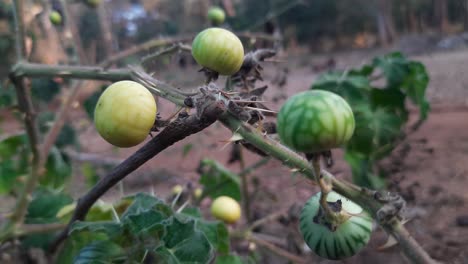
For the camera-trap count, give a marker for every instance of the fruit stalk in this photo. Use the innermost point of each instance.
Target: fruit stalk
(324, 189)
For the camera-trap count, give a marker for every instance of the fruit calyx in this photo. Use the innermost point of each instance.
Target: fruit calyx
(333, 216)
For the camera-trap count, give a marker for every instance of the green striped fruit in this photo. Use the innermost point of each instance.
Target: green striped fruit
(219, 50)
(125, 114)
(348, 238)
(216, 15)
(314, 121)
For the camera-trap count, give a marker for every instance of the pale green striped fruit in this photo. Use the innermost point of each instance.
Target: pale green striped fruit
(219, 50)
(348, 238)
(125, 114)
(314, 121)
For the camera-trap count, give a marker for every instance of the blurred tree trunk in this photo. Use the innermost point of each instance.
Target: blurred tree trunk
(108, 45)
(413, 21)
(385, 25)
(441, 15)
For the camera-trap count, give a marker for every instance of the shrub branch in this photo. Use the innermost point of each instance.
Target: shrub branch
(364, 197)
(177, 130)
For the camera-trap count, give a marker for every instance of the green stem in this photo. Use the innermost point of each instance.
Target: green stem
(245, 187)
(324, 189)
(34, 70)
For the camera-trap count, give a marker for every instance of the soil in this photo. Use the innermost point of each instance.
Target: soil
(430, 169)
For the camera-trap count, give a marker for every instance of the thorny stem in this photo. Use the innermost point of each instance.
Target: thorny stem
(359, 195)
(174, 132)
(34, 70)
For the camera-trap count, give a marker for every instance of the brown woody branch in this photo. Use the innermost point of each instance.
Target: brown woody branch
(182, 127)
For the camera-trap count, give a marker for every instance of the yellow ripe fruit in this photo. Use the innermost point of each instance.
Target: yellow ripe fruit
(125, 114)
(226, 209)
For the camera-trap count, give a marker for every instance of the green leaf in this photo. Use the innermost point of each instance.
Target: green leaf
(8, 175)
(109, 228)
(99, 252)
(7, 96)
(353, 88)
(217, 234)
(44, 89)
(192, 212)
(44, 206)
(58, 169)
(415, 84)
(362, 170)
(43, 209)
(219, 181)
(146, 222)
(143, 202)
(394, 67)
(10, 145)
(229, 259)
(392, 100)
(75, 242)
(185, 244)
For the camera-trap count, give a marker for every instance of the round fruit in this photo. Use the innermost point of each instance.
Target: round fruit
(314, 121)
(177, 189)
(216, 15)
(55, 18)
(219, 50)
(125, 113)
(349, 237)
(197, 193)
(226, 209)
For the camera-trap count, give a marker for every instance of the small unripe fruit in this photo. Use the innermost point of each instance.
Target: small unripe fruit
(177, 189)
(216, 15)
(219, 50)
(55, 18)
(125, 114)
(197, 193)
(314, 121)
(226, 209)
